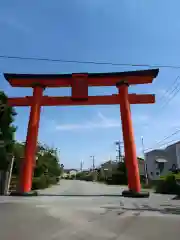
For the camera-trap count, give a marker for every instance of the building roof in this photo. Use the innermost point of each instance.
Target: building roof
(163, 150)
(140, 159)
(174, 144)
(109, 162)
(69, 170)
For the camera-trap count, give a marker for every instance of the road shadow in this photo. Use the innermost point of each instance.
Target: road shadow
(176, 198)
(172, 210)
(163, 209)
(79, 195)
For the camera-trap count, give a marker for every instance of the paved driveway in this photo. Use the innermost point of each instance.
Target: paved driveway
(85, 210)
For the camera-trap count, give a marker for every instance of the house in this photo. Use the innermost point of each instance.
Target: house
(161, 161)
(86, 171)
(108, 167)
(69, 172)
(141, 165)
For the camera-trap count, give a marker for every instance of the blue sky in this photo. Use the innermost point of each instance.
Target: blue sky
(126, 31)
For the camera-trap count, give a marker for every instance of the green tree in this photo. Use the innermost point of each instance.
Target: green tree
(7, 131)
(47, 169)
(18, 153)
(47, 162)
(119, 176)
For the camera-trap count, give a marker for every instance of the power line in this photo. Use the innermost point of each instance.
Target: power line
(171, 97)
(165, 138)
(177, 131)
(166, 143)
(177, 87)
(87, 62)
(168, 89)
(172, 134)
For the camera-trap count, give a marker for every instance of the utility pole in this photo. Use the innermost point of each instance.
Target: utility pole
(145, 164)
(93, 168)
(93, 162)
(81, 165)
(8, 180)
(118, 144)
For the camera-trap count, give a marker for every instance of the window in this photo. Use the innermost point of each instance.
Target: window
(157, 173)
(160, 164)
(151, 173)
(161, 167)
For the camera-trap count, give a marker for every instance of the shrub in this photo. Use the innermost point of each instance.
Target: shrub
(57, 179)
(43, 182)
(100, 178)
(84, 176)
(51, 180)
(81, 176)
(168, 185)
(39, 183)
(89, 178)
(147, 186)
(72, 177)
(117, 178)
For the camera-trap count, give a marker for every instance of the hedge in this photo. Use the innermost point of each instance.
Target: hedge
(84, 176)
(43, 182)
(117, 178)
(168, 184)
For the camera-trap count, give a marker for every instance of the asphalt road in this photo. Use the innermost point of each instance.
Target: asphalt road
(85, 210)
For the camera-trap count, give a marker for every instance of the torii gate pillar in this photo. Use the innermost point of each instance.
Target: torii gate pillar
(31, 141)
(129, 143)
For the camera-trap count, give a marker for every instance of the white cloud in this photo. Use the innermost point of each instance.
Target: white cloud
(101, 122)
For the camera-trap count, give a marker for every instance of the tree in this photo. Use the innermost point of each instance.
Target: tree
(7, 131)
(47, 169)
(18, 153)
(119, 176)
(47, 161)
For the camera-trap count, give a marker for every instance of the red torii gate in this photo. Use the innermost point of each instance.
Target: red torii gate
(79, 82)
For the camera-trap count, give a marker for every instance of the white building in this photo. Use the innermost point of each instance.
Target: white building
(69, 172)
(161, 161)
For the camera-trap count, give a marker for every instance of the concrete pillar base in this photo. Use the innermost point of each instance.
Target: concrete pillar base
(27, 194)
(132, 194)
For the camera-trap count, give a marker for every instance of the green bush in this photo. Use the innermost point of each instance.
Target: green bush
(72, 177)
(43, 182)
(57, 179)
(84, 176)
(117, 178)
(100, 178)
(51, 180)
(168, 185)
(147, 186)
(89, 178)
(39, 183)
(81, 176)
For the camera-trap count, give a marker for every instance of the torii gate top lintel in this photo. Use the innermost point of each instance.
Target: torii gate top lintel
(93, 79)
